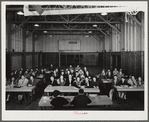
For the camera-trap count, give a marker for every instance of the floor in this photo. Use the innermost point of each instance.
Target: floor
(131, 104)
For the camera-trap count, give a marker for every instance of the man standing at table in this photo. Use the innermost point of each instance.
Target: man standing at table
(81, 100)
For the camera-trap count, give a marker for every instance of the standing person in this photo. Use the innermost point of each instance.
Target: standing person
(81, 100)
(115, 82)
(58, 101)
(22, 82)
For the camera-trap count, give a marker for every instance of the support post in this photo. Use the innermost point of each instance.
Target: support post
(24, 47)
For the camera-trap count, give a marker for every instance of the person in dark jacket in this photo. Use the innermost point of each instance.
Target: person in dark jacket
(58, 101)
(81, 100)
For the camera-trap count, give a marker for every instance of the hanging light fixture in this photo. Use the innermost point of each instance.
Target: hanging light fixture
(94, 25)
(45, 31)
(20, 13)
(104, 13)
(90, 32)
(36, 25)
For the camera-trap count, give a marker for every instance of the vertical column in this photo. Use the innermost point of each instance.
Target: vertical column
(33, 50)
(24, 46)
(142, 44)
(9, 55)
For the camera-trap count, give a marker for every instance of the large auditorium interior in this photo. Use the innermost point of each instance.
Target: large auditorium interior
(74, 56)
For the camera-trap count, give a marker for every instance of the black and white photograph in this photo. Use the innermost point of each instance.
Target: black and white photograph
(74, 60)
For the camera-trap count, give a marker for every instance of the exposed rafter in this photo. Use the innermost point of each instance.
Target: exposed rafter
(109, 24)
(103, 32)
(135, 19)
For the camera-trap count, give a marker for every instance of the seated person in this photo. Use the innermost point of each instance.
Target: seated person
(51, 68)
(69, 80)
(32, 82)
(26, 74)
(94, 83)
(61, 81)
(103, 74)
(81, 100)
(115, 82)
(22, 82)
(77, 82)
(115, 72)
(77, 68)
(53, 82)
(140, 82)
(108, 74)
(132, 81)
(85, 83)
(57, 101)
(122, 94)
(12, 82)
(120, 74)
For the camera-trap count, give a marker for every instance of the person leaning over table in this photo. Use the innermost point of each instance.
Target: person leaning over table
(22, 82)
(115, 82)
(57, 100)
(81, 100)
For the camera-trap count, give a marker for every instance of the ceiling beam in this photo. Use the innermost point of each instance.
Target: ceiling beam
(64, 22)
(103, 32)
(48, 29)
(113, 27)
(19, 27)
(135, 19)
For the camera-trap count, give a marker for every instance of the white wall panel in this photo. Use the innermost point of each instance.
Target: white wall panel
(50, 44)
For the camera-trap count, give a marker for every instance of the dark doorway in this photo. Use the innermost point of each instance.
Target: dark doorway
(116, 62)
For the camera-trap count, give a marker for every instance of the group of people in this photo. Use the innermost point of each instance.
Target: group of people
(79, 101)
(71, 76)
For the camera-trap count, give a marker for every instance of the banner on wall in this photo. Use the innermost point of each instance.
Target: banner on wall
(69, 45)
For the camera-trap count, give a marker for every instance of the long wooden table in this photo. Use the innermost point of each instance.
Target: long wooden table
(131, 88)
(69, 89)
(24, 89)
(96, 101)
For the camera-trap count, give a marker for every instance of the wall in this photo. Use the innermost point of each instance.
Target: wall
(50, 44)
